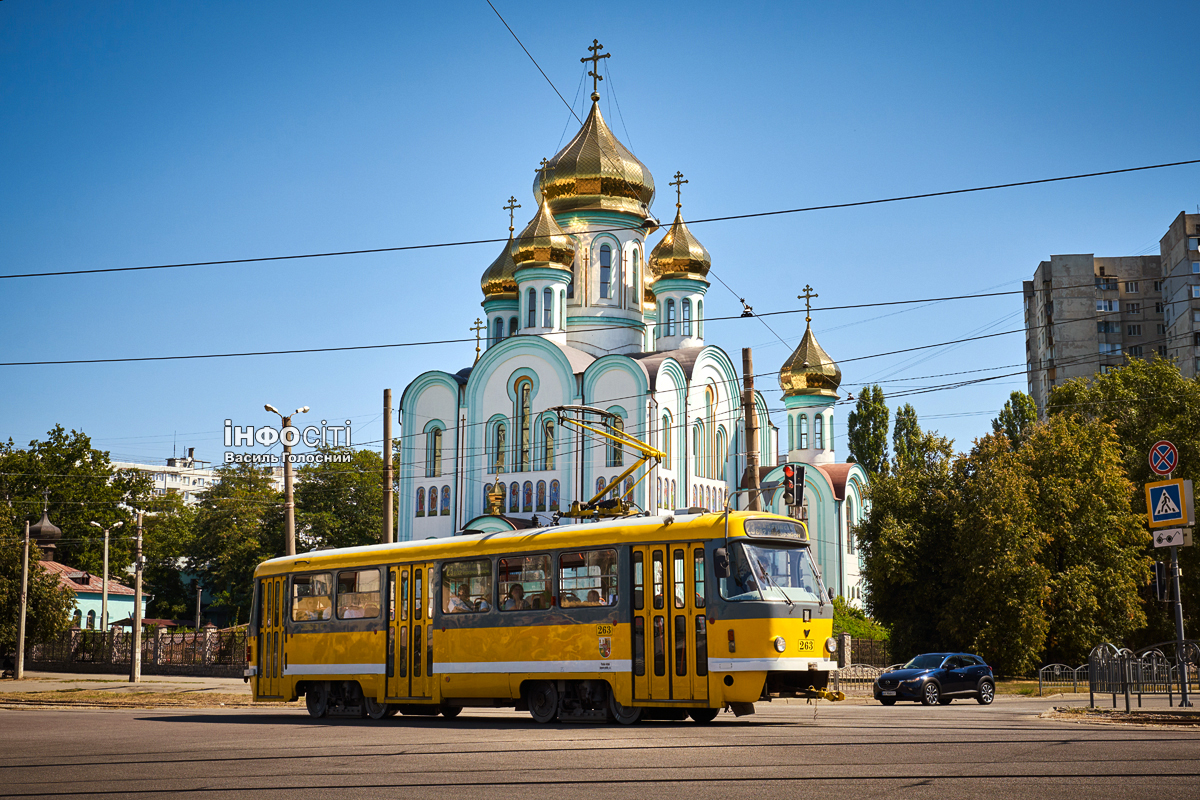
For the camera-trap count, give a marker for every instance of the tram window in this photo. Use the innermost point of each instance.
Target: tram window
(402, 658)
(311, 597)
(639, 584)
(639, 645)
(681, 645)
(699, 555)
(416, 651)
(391, 596)
(701, 645)
(657, 577)
(358, 594)
(587, 578)
(466, 586)
(524, 583)
(404, 595)
(418, 588)
(660, 646)
(678, 578)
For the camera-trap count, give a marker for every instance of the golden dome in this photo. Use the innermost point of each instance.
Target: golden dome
(679, 253)
(810, 370)
(595, 172)
(542, 240)
(500, 278)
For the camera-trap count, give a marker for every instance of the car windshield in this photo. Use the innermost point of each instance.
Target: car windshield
(927, 661)
(771, 572)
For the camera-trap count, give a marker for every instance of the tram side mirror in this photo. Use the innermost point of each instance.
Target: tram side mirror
(831, 594)
(721, 562)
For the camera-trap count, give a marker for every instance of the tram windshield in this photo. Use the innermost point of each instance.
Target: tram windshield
(771, 572)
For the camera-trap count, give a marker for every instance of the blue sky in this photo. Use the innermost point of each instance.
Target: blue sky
(166, 132)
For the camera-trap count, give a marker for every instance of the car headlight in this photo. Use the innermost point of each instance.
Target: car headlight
(831, 645)
(780, 644)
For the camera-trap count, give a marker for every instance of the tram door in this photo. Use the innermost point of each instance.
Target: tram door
(270, 638)
(670, 635)
(410, 657)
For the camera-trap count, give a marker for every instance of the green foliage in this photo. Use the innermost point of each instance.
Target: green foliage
(1146, 401)
(906, 435)
(1015, 419)
(49, 604)
(341, 505)
(83, 488)
(168, 537)
(854, 621)
(239, 524)
(867, 431)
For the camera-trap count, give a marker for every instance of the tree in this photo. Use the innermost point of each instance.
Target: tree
(868, 429)
(168, 538)
(1015, 419)
(906, 543)
(854, 621)
(1000, 585)
(906, 435)
(341, 504)
(1094, 552)
(49, 604)
(1146, 401)
(239, 524)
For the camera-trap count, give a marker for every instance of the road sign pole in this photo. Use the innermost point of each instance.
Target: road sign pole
(1184, 702)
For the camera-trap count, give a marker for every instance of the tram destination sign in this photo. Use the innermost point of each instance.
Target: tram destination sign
(1169, 503)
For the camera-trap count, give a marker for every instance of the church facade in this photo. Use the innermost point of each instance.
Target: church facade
(580, 309)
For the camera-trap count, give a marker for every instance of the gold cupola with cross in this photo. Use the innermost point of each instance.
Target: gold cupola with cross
(809, 371)
(500, 277)
(595, 171)
(679, 254)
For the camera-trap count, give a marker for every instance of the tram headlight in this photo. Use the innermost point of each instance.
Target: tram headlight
(780, 644)
(831, 645)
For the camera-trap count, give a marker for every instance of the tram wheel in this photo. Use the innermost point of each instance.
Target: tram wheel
(703, 715)
(543, 702)
(450, 712)
(375, 709)
(316, 699)
(626, 715)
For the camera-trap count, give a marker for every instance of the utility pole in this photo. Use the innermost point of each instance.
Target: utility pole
(750, 410)
(199, 589)
(289, 506)
(19, 671)
(1184, 701)
(104, 590)
(388, 522)
(135, 655)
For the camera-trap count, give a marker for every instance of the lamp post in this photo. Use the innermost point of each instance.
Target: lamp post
(286, 432)
(104, 590)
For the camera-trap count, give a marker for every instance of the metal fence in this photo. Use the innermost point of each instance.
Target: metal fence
(873, 652)
(164, 652)
(858, 678)
(1060, 678)
(1120, 671)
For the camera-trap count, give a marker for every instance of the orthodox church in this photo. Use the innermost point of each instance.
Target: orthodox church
(577, 313)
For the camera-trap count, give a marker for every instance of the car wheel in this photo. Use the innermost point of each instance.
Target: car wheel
(931, 694)
(987, 693)
(316, 699)
(888, 701)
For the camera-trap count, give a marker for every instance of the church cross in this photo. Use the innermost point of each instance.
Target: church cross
(807, 298)
(678, 184)
(595, 57)
(541, 170)
(512, 206)
(479, 326)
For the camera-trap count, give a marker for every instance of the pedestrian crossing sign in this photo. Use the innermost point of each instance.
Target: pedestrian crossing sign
(1169, 503)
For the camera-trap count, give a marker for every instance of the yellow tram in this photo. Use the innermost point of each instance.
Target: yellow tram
(659, 617)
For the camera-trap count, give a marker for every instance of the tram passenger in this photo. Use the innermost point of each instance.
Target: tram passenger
(515, 601)
(460, 602)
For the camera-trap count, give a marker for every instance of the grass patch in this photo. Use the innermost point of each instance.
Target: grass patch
(138, 699)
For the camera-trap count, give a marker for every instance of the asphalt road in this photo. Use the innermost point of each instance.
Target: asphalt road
(858, 751)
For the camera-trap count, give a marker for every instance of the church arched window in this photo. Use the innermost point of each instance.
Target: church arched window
(666, 440)
(818, 432)
(547, 308)
(514, 497)
(499, 440)
(433, 452)
(803, 422)
(554, 495)
(605, 271)
(700, 319)
(499, 326)
(722, 449)
(548, 445)
(524, 394)
(687, 317)
(420, 501)
(91, 619)
(850, 526)
(635, 286)
(532, 309)
(670, 318)
(541, 496)
(562, 311)
(445, 501)
(697, 455)
(527, 496)
(616, 453)
(512, 326)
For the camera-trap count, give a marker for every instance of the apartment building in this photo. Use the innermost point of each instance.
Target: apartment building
(1179, 250)
(1085, 314)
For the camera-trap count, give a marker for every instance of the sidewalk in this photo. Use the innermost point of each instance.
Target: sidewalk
(119, 684)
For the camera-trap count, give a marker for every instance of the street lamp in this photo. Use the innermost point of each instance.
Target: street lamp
(104, 591)
(289, 507)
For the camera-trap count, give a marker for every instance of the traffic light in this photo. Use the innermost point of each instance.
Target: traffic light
(793, 483)
(1160, 582)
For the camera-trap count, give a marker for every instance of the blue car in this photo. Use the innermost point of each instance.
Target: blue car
(935, 678)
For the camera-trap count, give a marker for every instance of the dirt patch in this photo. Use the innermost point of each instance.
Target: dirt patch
(85, 698)
(1106, 716)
